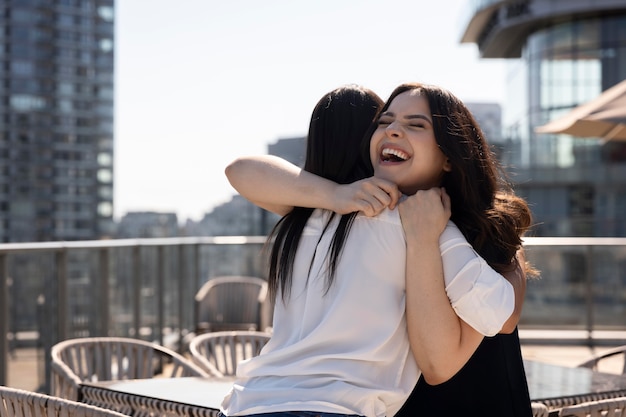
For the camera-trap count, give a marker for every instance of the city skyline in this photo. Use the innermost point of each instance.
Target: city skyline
(201, 83)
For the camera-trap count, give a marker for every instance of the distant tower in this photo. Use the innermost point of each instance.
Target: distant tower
(291, 149)
(56, 119)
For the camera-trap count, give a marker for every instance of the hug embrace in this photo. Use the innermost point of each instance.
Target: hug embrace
(397, 270)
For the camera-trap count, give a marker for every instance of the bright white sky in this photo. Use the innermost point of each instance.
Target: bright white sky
(200, 82)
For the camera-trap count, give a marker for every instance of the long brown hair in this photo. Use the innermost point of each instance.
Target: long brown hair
(490, 216)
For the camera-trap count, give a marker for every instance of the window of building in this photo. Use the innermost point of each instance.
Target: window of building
(105, 192)
(105, 209)
(86, 57)
(66, 36)
(87, 23)
(20, 67)
(19, 15)
(65, 106)
(65, 20)
(105, 175)
(106, 13)
(104, 159)
(87, 5)
(105, 93)
(87, 39)
(26, 102)
(65, 88)
(581, 200)
(106, 45)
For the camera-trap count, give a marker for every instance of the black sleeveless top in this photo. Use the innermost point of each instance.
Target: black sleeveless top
(491, 384)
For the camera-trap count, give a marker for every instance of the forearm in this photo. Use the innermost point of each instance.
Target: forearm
(441, 342)
(277, 185)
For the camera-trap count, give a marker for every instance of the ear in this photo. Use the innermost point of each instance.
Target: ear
(447, 166)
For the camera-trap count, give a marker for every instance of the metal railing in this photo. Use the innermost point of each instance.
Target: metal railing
(144, 288)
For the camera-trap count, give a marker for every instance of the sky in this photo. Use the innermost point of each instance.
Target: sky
(201, 82)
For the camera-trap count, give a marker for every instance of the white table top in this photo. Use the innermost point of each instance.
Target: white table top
(545, 381)
(554, 381)
(198, 391)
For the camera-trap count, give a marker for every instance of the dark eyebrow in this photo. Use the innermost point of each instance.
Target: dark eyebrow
(418, 116)
(409, 117)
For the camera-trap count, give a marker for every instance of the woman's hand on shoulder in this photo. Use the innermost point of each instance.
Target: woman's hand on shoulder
(369, 196)
(425, 214)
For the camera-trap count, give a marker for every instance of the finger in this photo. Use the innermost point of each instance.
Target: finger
(395, 197)
(367, 208)
(374, 195)
(391, 193)
(377, 202)
(386, 185)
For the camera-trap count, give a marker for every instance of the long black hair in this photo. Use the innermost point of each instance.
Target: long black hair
(337, 130)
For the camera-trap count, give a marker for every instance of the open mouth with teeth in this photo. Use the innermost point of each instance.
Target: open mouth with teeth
(393, 155)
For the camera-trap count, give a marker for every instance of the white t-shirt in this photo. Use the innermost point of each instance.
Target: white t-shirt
(347, 350)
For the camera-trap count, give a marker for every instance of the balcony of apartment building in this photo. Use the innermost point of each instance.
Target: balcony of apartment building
(144, 288)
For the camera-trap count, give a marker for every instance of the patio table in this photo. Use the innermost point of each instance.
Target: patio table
(554, 385)
(188, 396)
(557, 386)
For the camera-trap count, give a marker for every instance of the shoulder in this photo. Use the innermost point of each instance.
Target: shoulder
(453, 238)
(451, 232)
(385, 218)
(386, 227)
(390, 216)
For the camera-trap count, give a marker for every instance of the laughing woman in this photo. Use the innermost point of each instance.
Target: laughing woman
(340, 344)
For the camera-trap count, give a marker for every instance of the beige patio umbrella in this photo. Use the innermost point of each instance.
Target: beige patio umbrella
(603, 117)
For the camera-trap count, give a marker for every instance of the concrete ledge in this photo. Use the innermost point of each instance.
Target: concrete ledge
(572, 337)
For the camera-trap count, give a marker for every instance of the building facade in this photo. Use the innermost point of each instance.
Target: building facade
(562, 53)
(147, 224)
(56, 119)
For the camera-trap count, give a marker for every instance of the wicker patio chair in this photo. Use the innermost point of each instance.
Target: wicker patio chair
(20, 403)
(612, 407)
(218, 353)
(231, 303)
(540, 410)
(612, 355)
(111, 359)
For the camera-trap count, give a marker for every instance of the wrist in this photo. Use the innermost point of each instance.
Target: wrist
(422, 240)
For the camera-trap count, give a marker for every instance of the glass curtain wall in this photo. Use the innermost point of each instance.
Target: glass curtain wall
(570, 64)
(574, 185)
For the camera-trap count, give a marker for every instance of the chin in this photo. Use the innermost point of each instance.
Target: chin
(386, 175)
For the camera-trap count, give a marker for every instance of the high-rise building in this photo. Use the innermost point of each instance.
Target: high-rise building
(56, 119)
(291, 149)
(561, 53)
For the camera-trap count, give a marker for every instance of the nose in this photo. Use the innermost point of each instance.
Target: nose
(393, 130)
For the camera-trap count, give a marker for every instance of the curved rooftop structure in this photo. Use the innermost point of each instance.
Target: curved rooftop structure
(500, 28)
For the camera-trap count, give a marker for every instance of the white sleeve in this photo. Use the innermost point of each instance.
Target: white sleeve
(480, 296)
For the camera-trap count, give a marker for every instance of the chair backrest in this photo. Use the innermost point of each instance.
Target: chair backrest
(612, 407)
(75, 361)
(231, 303)
(218, 353)
(540, 410)
(616, 357)
(20, 403)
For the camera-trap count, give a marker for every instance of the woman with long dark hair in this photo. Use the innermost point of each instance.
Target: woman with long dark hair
(340, 343)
